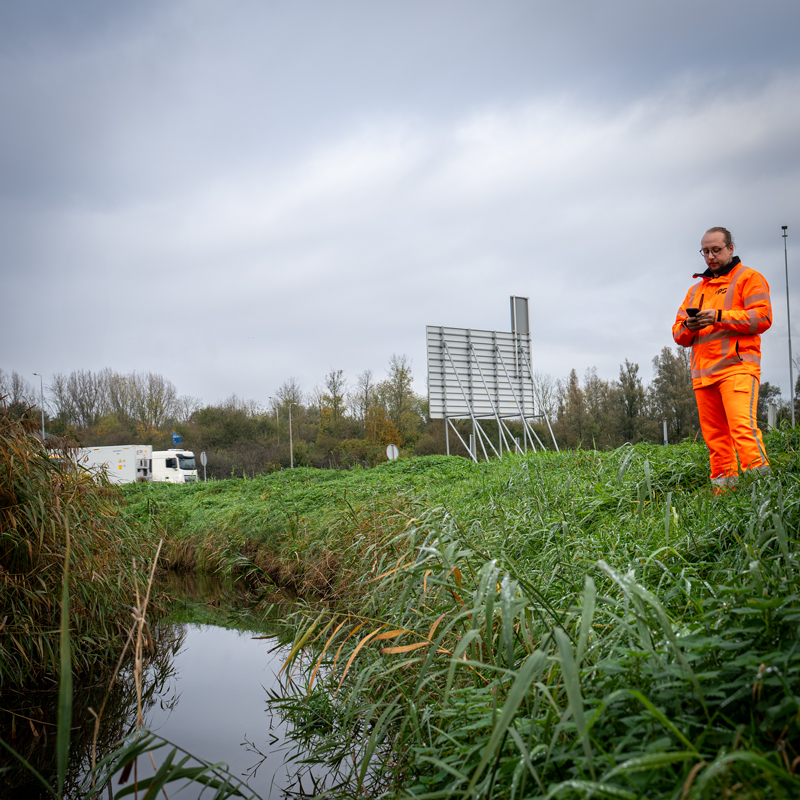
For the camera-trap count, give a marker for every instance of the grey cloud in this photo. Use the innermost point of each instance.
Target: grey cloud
(234, 198)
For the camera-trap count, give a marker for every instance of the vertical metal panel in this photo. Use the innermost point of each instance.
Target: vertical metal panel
(519, 316)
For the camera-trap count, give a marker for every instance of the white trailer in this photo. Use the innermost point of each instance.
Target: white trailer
(174, 466)
(125, 463)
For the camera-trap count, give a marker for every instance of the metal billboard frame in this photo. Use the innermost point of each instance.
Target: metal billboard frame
(478, 375)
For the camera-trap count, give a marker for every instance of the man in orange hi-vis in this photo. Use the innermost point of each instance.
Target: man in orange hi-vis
(721, 319)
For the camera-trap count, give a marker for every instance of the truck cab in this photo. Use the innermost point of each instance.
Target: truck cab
(174, 466)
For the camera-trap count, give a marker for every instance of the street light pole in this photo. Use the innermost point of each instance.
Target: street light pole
(789, 320)
(41, 391)
(291, 446)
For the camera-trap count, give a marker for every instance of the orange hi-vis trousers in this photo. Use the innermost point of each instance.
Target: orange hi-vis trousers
(728, 419)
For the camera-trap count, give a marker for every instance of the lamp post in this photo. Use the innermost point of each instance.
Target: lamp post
(789, 320)
(41, 394)
(291, 446)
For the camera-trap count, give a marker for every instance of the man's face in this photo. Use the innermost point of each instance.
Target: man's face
(716, 253)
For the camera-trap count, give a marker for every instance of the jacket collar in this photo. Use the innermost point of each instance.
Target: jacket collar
(708, 274)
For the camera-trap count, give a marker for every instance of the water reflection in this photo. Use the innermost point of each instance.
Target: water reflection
(215, 706)
(207, 690)
(215, 703)
(28, 722)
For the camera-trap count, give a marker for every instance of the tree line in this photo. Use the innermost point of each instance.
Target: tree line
(342, 423)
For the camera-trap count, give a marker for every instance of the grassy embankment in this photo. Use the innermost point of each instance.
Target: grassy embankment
(571, 625)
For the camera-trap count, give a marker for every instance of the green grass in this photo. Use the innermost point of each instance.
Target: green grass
(298, 516)
(579, 624)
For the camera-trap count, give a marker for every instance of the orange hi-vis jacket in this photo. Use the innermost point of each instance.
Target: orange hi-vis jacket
(732, 345)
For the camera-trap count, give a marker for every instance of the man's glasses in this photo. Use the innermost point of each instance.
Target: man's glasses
(714, 251)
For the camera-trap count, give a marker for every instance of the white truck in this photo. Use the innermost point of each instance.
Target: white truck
(127, 463)
(174, 466)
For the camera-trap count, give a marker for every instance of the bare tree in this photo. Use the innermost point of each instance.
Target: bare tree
(120, 395)
(87, 397)
(60, 398)
(154, 399)
(315, 405)
(545, 391)
(290, 392)
(601, 400)
(363, 396)
(236, 404)
(17, 390)
(186, 406)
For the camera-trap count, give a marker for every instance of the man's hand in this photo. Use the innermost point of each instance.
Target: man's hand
(702, 320)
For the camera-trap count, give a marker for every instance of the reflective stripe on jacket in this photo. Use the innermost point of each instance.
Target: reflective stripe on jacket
(732, 344)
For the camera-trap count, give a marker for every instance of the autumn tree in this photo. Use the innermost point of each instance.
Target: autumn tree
(331, 402)
(398, 400)
(239, 435)
(380, 429)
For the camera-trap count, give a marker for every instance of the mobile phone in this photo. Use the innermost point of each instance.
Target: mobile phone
(692, 312)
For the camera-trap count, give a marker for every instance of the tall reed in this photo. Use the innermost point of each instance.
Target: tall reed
(43, 505)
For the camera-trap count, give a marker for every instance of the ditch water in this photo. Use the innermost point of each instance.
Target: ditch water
(215, 703)
(208, 694)
(215, 706)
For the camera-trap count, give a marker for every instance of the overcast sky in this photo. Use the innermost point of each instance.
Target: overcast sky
(233, 193)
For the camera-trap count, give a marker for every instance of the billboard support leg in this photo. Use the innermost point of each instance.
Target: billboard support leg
(552, 435)
(484, 439)
(547, 419)
(541, 444)
(466, 446)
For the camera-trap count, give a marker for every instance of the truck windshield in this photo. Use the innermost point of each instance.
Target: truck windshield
(186, 462)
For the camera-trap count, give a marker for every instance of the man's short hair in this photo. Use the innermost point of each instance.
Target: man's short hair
(725, 232)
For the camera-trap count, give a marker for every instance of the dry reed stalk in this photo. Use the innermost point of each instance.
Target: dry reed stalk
(139, 612)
